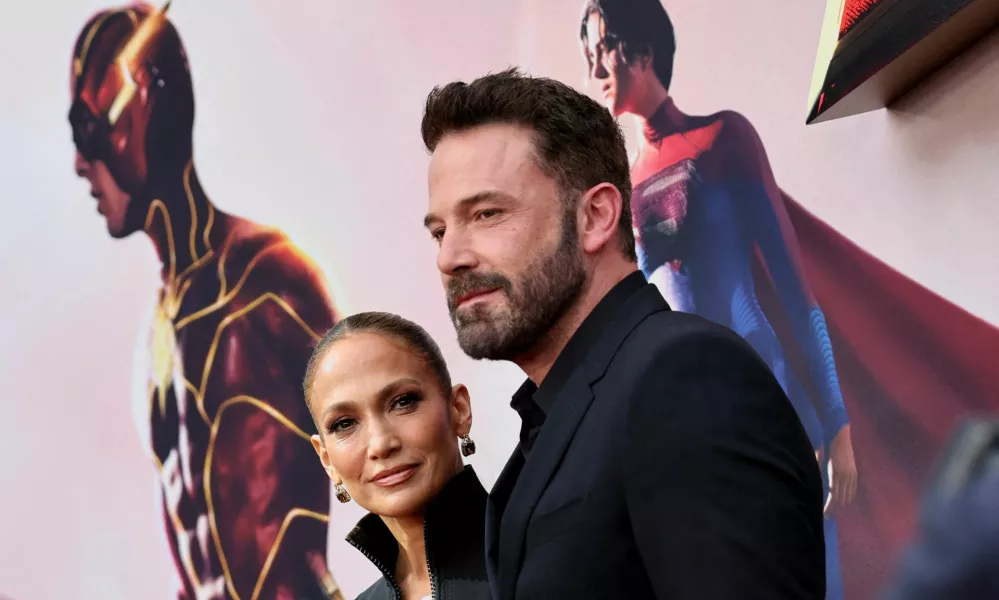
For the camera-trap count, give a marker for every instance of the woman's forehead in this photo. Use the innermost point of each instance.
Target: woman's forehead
(367, 360)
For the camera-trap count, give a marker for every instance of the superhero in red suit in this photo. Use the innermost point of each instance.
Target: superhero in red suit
(720, 238)
(244, 502)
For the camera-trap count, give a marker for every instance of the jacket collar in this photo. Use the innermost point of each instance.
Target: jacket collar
(453, 526)
(520, 485)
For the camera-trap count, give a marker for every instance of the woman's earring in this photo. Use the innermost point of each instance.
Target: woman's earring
(341, 492)
(467, 445)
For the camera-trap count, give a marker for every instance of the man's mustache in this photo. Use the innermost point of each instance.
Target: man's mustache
(459, 287)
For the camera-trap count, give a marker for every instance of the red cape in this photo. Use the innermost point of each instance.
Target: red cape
(911, 365)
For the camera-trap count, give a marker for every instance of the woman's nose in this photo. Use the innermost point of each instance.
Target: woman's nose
(382, 442)
(598, 71)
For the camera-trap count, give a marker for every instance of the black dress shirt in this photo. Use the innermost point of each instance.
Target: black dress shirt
(533, 403)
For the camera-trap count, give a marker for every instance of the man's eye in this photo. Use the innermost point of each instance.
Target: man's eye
(488, 213)
(437, 234)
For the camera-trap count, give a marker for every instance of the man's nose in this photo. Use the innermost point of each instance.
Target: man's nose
(80, 165)
(455, 254)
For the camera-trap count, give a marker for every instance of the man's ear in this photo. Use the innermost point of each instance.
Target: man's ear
(461, 410)
(600, 212)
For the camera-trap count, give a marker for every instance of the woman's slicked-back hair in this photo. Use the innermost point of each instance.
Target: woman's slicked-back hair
(638, 28)
(404, 330)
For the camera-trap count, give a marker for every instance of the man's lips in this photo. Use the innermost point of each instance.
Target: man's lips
(474, 295)
(393, 476)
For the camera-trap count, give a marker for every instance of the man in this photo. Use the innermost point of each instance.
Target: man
(658, 456)
(244, 503)
(713, 229)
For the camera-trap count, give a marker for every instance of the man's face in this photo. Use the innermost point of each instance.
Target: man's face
(609, 73)
(508, 253)
(112, 201)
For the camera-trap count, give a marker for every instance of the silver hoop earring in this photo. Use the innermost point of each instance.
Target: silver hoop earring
(341, 492)
(467, 445)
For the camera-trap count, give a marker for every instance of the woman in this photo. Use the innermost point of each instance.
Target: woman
(389, 426)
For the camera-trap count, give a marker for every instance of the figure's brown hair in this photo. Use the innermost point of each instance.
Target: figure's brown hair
(638, 28)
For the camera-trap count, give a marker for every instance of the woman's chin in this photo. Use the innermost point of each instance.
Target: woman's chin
(398, 508)
(399, 502)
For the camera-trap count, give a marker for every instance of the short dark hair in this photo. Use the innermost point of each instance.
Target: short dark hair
(638, 28)
(579, 143)
(404, 330)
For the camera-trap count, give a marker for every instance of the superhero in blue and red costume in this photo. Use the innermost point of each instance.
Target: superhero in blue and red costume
(721, 239)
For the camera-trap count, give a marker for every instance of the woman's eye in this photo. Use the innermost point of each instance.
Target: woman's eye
(340, 425)
(406, 400)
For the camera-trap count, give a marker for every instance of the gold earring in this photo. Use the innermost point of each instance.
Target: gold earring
(467, 445)
(341, 492)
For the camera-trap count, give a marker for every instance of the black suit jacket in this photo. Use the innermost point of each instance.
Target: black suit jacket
(671, 465)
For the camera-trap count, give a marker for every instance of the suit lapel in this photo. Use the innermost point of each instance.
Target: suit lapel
(548, 450)
(521, 484)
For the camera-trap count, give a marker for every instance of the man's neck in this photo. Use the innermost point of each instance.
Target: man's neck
(411, 566)
(539, 360)
(185, 227)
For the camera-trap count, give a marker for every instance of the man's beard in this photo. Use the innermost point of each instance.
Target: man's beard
(544, 292)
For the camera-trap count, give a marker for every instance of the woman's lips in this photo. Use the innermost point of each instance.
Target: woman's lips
(394, 476)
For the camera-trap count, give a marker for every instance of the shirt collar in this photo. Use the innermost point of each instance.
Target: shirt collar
(448, 520)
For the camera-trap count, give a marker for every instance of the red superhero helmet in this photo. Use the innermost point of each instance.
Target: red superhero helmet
(133, 103)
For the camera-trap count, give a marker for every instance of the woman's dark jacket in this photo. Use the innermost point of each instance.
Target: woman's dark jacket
(454, 536)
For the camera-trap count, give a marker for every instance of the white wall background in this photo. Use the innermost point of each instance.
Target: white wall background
(308, 119)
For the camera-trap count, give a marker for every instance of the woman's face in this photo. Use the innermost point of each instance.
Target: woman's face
(387, 431)
(612, 77)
